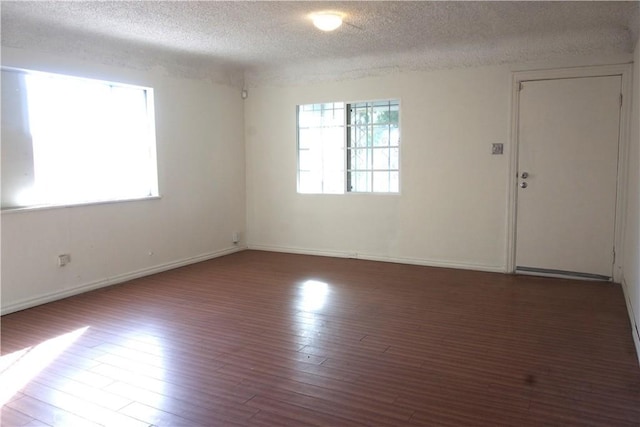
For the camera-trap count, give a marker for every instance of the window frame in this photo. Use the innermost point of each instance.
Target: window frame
(153, 178)
(347, 171)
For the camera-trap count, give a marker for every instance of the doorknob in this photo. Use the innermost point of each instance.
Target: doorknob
(523, 185)
(525, 175)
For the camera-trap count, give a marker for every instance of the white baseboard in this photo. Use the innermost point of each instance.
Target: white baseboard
(108, 281)
(367, 257)
(635, 332)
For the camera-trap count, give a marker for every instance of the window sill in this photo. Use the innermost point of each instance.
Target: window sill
(353, 193)
(73, 205)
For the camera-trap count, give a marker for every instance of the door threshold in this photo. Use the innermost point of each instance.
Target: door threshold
(561, 274)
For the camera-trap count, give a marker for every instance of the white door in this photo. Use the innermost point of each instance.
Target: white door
(567, 172)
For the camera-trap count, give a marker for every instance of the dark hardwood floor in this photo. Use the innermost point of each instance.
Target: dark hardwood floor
(259, 338)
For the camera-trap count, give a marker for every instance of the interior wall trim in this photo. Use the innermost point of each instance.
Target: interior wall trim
(369, 257)
(635, 331)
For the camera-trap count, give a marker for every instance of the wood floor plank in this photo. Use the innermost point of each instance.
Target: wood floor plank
(82, 407)
(300, 414)
(11, 417)
(81, 390)
(154, 416)
(49, 414)
(267, 419)
(267, 339)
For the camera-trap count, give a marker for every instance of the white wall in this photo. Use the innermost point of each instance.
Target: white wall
(201, 158)
(454, 201)
(631, 263)
(452, 209)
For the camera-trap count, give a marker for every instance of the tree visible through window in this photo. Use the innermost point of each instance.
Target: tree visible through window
(353, 147)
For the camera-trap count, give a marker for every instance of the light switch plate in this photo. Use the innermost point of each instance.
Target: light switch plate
(497, 148)
(63, 260)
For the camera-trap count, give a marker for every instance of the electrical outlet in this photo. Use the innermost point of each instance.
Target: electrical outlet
(63, 260)
(235, 237)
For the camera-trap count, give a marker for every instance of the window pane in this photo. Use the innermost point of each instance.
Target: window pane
(361, 181)
(394, 136)
(333, 159)
(381, 182)
(387, 113)
(394, 182)
(307, 119)
(320, 115)
(306, 160)
(360, 136)
(381, 114)
(380, 136)
(361, 159)
(360, 115)
(394, 160)
(321, 148)
(381, 158)
(92, 140)
(333, 116)
(307, 138)
(331, 137)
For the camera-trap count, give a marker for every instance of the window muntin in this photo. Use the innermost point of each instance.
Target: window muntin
(349, 147)
(92, 141)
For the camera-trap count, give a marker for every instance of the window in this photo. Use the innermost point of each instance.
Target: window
(349, 147)
(79, 140)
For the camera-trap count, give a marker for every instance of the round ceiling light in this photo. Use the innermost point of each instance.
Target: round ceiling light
(326, 21)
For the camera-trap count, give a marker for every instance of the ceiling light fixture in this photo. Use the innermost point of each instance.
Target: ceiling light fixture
(326, 21)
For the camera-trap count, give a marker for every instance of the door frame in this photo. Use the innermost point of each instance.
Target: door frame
(625, 72)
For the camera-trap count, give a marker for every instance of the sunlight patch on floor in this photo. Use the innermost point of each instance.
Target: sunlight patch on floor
(20, 367)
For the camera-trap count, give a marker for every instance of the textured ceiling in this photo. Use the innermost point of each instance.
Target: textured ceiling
(275, 41)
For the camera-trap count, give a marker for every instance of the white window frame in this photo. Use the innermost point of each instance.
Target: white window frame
(348, 170)
(144, 182)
